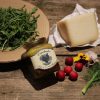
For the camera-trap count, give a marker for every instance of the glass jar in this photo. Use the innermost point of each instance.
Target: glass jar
(43, 58)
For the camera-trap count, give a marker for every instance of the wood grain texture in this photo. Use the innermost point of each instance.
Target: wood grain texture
(19, 84)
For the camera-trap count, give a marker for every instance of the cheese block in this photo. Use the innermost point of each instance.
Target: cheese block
(79, 30)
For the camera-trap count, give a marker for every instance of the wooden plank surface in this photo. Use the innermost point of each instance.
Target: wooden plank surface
(19, 84)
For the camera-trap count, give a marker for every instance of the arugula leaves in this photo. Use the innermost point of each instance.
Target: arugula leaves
(16, 27)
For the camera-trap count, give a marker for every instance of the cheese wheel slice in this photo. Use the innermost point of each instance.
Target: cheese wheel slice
(79, 30)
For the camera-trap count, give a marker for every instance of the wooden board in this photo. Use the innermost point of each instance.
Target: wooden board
(42, 28)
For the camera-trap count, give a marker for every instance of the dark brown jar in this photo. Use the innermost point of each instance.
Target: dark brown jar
(43, 59)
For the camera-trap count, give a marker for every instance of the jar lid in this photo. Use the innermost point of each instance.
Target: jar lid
(33, 48)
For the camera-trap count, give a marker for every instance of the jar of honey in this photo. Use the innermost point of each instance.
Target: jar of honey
(43, 59)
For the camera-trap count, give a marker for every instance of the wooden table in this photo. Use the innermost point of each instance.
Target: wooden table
(16, 83)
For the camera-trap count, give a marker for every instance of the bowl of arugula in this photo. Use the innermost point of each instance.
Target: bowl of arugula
(20, 22)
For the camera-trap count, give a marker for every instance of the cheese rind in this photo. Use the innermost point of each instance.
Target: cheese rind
(79, 30)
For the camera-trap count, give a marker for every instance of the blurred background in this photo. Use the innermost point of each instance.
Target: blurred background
(57, 9)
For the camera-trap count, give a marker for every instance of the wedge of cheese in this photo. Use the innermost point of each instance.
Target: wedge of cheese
(79, 30)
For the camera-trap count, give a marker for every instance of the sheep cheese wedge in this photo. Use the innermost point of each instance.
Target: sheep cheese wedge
(79, 30)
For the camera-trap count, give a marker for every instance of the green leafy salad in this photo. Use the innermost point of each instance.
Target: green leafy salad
(16, 27)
